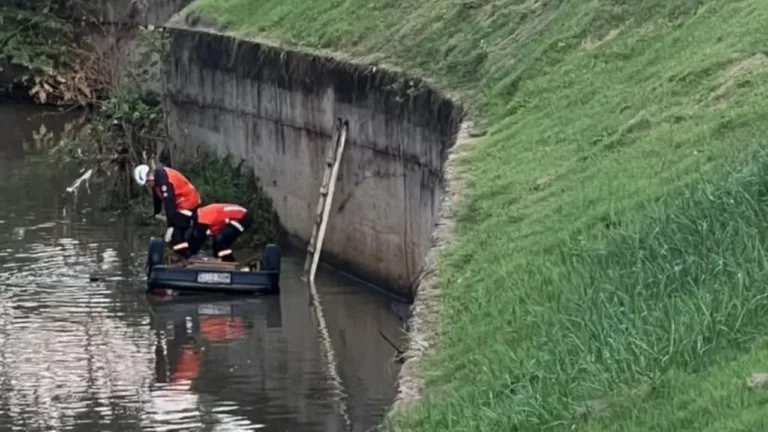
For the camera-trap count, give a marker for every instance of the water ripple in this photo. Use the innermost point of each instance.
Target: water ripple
(97, 355)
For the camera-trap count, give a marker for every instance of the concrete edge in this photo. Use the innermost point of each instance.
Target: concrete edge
(178, 21)
(425, 311)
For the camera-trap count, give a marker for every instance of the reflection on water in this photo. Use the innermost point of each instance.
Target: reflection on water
(84, 355)
(193, 339)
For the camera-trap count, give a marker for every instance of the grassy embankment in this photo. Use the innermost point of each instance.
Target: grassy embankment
(611, 242)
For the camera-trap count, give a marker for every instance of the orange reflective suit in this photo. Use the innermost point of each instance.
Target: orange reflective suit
(216, 216)
(175, 191)
(224, 222)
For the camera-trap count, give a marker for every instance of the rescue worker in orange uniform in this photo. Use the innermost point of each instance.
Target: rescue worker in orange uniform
(170, 189)
(222, 222)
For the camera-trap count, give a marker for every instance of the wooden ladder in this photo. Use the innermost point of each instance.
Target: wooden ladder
(327, 188)
(332, 162)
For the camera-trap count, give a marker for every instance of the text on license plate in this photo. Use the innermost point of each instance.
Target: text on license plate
(214, 309)
(224, 278)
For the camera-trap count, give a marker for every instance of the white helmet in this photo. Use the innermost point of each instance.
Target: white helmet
(140, 174)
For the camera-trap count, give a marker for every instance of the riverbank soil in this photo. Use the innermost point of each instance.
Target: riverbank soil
(608, 263)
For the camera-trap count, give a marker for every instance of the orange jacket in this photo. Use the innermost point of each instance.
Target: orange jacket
(175, 191)
(217, 216)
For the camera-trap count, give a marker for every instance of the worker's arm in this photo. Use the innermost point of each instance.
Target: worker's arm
(197, 238)
(157, 203)
(168, 194)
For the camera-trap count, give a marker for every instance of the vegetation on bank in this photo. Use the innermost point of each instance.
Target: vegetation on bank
(127, 129)
(48, 56)
(52, 59)
(25, 34)
(610, 248)
(222, 180)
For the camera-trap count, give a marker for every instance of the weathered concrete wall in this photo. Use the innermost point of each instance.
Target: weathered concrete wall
(276, 109)
(142, 12)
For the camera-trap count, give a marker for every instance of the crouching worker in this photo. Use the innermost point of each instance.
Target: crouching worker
(222, 222)
(170, 189)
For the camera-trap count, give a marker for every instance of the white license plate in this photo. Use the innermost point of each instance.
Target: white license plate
(214, 278)
(214, 309)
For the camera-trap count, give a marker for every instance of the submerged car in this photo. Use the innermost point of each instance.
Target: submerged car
(167, 271)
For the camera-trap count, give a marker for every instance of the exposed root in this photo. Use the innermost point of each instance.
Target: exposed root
(399, 353)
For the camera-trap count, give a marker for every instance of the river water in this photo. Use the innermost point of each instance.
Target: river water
(103, 356)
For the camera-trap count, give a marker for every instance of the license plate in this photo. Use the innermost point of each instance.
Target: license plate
(214, 309)
(214, 278)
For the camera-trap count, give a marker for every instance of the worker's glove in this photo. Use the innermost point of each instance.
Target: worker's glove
(168, 234)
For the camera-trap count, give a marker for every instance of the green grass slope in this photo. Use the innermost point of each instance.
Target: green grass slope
(610, 265)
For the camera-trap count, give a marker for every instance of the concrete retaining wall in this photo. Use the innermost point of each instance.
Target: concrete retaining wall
(276, 110)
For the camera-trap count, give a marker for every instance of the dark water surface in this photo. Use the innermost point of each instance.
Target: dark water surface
(102, 356)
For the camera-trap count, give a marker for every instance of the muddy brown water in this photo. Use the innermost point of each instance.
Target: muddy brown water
(102, 356)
